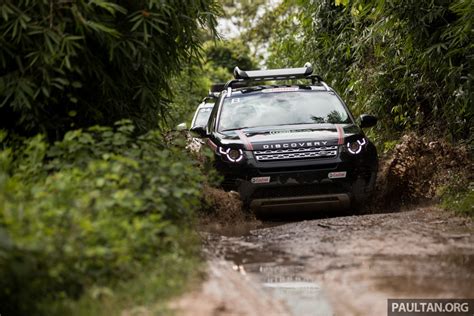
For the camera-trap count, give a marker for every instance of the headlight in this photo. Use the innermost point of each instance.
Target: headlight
(355, 147)
(233, 155)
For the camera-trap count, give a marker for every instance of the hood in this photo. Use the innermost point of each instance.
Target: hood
(289, 136)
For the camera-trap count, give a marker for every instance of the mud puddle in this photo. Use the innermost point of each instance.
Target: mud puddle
(279, 274)
(284, 279)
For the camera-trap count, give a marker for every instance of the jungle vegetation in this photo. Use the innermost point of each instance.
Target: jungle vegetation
(98, 202)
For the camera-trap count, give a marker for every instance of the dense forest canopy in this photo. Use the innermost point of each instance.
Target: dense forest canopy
(70, 64)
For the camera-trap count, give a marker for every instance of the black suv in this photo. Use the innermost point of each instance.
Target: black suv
(285, 145)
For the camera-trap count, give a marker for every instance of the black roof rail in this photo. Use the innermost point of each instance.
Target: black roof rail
(305, 72)
(233, 83)
(210, 97)
(217, 87)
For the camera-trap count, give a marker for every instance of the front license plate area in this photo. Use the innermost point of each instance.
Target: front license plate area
(260, 180)
(337, 175)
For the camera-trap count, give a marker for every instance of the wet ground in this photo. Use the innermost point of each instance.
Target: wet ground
(345, 265)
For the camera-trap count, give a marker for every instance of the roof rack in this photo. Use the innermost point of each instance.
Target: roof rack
(305, 72)
(274, 74)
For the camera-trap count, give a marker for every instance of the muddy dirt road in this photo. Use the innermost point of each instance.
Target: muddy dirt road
(344, 265)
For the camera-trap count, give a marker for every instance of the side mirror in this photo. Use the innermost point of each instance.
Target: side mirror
(200, 131)
(367, 120)
(181, 127)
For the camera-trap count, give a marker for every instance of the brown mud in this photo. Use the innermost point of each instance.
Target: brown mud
(347, 265)
(419, 169)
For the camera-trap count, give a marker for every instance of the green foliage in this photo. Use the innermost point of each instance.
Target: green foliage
(195, 80)
(228, 55)
(70, 64)
(459, 196)
(255, 22)
(461, 202)
(168, 275)
(94, 208)
(244, 13)
(408, 62)
(193, 85)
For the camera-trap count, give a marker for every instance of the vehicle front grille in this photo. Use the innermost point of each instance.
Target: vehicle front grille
(286, 169)
(296, 153)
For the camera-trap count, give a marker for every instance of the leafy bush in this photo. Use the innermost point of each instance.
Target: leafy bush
(91, 209)
(70, 64)
(458, 195)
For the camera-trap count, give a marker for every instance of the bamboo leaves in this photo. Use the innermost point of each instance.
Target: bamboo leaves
(406, 61)
(114, 49)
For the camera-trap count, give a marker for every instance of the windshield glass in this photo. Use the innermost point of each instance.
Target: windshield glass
(202, 117)
(281, 108)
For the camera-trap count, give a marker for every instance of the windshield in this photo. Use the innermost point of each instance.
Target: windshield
(202, 117)
(281, 108)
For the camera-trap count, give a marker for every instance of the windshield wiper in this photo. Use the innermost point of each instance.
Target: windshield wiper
(234, 129)
(252, 89)
(238, 128)
(302, 123)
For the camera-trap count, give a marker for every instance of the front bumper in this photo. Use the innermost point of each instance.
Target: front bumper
(303, 203)
(305, 184)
